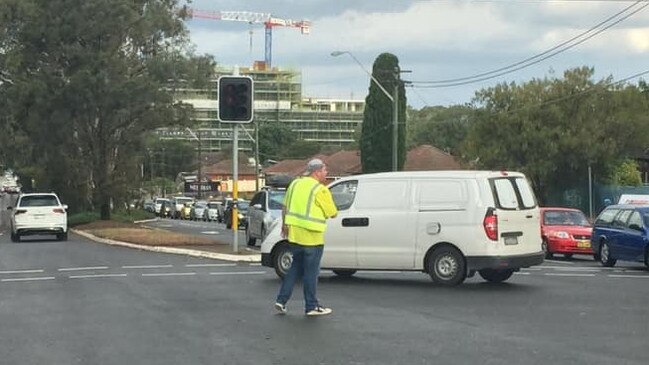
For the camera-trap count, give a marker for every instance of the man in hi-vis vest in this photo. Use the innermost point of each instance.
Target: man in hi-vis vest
(307, 205)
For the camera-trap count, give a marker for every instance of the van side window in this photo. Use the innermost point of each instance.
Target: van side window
(526, 193)
(606, 217)
(343, 194)
(382, 195)
(635, 220)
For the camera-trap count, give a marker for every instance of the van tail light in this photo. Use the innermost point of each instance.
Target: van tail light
(490, 224)
(59, 210)
(21, 211)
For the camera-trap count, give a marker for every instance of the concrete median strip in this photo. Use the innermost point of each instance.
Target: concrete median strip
(173, 250)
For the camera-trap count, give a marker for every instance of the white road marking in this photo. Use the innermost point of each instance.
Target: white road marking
(147, 267)
(560, 262)
(583, 269)
(530, 269)
(210, 265)
(84, 268)
(521, 273)
(22, 272)
(210, 232)
(97, 276)
(30, 279)
(238, 273)
(560, 274)
(628, 276)
(254, 264)
(171, 274)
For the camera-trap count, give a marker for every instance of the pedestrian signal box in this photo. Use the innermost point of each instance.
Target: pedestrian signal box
(235, 99)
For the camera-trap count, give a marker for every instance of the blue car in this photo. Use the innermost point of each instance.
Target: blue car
(621, 232)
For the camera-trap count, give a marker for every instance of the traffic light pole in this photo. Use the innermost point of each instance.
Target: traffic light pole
(235, 188)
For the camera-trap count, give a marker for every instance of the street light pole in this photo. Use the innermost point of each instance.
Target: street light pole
(395, 105)
(200, 162)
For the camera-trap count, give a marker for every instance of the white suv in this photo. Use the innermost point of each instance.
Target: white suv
(39, 213)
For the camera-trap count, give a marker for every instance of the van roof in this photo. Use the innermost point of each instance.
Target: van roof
(464, 174)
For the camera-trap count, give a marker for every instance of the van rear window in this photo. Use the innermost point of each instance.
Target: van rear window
(511, 193)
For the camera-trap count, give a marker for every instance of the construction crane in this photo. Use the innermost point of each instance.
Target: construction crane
(266, 19)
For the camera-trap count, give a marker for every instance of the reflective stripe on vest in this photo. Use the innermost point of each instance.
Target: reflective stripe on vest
(306, 218)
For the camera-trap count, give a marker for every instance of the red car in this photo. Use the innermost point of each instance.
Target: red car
(565, 231)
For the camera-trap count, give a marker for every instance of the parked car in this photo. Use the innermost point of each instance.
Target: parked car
(199, 211)
(158, 204)
(242, 211)
(177, 205)
(565, 231)
(37, 214)
(149, 206)
(213, 210)
(265, 207)
(621, 232)
(449, 224)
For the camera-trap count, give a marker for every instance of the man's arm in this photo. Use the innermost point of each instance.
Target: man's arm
(326, 202)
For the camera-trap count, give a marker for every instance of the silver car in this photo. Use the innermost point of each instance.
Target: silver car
(265, 207)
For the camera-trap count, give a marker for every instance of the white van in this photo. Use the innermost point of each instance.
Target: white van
(449, 224)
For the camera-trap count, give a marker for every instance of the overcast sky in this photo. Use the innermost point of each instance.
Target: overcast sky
(435, 39)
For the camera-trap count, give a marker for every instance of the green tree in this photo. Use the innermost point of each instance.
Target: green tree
(273, 139)
(443, 127)
(300, 149)
(85, 81)
(376, 135)
(626, 174)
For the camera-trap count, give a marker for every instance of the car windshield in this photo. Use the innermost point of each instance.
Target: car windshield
(213, 205)
(243, 205)
(276, 199)
(39, 201)
(183, 200)
(564, 218)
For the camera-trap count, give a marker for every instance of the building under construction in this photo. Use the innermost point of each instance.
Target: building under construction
(278, 98)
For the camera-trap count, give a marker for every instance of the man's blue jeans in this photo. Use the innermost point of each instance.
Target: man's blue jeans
(306, 265)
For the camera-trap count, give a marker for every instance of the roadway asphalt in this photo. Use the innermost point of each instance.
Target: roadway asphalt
(80, 302)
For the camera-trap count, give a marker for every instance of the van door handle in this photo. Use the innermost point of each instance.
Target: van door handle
(356, 222)
(529, 216)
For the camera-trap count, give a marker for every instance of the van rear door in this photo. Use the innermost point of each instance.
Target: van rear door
(519, 228)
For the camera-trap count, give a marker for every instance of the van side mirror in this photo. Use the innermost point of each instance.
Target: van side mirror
(10, 208)
(65, 206)
(635, 227)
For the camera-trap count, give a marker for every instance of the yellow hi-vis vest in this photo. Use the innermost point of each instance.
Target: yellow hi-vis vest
(301, 209)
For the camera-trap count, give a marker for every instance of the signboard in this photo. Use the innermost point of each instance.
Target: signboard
(635, 199)
(206, 186)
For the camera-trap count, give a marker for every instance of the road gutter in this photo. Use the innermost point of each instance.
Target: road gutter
(172, 250)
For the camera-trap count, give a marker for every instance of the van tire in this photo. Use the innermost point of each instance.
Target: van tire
(282, 259)
(496, 276)
(605, 255)
(62, 236)
(15, 237)
(446, 266)
(345, 273)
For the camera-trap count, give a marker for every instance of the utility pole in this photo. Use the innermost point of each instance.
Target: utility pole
(200, 161)
(256, 157)
(395, 121)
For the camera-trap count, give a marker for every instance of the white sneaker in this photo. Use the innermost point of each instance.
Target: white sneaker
(281, 308)
(319, 311)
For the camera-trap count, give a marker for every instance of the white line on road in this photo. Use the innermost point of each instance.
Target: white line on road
(97, 276)
(583, 269)
(254, 264)
(171, 274)
(560, 274)
(521, 273)
(560, 262)
(84, 268)
(147, 267)
(22, 272)
(628, 276)
(30, 279)
(530, 269)
(210, 265)
(238, 273)
(211, 232)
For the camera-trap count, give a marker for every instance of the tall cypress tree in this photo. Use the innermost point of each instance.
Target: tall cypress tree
(376, 137)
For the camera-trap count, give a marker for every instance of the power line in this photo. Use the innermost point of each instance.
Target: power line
(537, 58)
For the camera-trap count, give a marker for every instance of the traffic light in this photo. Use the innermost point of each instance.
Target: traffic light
(235, 99)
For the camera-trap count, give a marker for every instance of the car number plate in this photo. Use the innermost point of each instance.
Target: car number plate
(512, 240)
(583, 244)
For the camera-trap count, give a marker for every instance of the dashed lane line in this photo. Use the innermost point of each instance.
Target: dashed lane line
(23, 272)
(97, 276)
(147, 267)
(171, 274)
(43, 278)
(84, 268)
(522, 273)
(560, 262)
(629, 276)
(564, 274)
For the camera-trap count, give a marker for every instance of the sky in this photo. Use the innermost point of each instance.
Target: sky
(434, 40)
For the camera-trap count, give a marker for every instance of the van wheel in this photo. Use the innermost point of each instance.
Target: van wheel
(496, 276)
(446, 266)
(345, 273)
(62, 236)
(15, 237)
(282, 260)
(544, 247)
(605, 255)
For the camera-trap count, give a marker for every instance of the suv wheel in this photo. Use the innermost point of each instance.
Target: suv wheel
(446, 266)
(605, 255)
(345, 273)
(646, 257)
(282, 260)
(496, 276)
